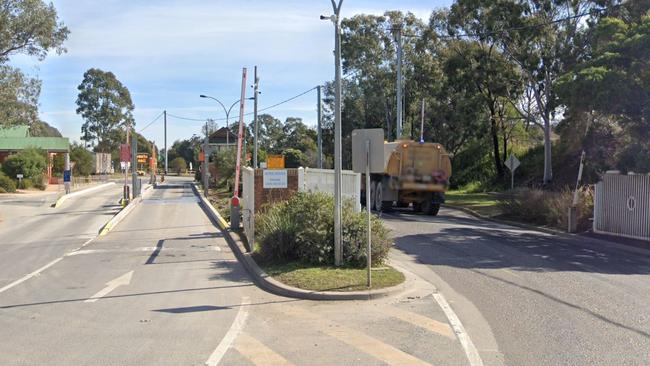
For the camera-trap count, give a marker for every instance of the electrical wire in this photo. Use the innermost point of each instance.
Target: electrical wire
(501, 31)
(245, 114)
(152, 122)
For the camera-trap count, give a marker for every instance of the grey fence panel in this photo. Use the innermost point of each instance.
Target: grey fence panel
(622, 206)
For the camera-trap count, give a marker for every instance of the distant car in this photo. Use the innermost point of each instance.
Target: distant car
(141, 172)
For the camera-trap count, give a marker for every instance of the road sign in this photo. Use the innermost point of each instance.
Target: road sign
(359, 155)
(125, 153)
(19, 176)
(275, 162)
(142, 158)
(512, 163)
(66, 176)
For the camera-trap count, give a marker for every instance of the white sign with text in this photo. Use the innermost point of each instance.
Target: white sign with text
(275, 178)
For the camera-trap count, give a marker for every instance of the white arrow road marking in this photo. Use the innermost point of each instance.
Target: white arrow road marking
(123, 280)
(231, 335)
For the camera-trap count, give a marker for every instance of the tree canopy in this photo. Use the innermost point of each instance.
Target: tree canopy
(106, 107)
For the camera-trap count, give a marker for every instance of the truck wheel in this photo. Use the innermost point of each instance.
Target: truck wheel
(373, 189)
(386, 206)
(417, 207)
(430, 208)
(378, 197)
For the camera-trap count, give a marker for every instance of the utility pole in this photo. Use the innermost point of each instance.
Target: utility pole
(134, 166)
(398, 40)
(166, 167)
(319, 108)
(205, 161)
(234, 203)
(422, 124)
(256, 123)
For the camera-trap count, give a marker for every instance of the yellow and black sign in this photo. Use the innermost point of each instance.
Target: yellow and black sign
(275, 162)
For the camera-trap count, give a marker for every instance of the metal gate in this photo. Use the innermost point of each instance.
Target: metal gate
(622, 206)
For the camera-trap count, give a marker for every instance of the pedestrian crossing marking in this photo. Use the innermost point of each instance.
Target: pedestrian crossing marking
(421, 321)
(259, 354)
(359, 340)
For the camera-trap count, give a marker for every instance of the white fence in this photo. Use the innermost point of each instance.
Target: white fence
(248, 204)
(622, 206)
(322, 180)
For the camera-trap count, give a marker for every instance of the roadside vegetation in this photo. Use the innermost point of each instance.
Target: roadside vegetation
(295, 244)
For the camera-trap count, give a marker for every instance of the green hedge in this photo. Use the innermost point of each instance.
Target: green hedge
(302, 229)
(7, 184)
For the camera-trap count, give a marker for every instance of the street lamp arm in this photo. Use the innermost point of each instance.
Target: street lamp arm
(216, 100)
(230, 109)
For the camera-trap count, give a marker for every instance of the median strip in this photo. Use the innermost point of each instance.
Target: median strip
(65, 197)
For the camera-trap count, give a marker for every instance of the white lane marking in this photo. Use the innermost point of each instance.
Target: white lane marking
(468, 346)
(218, 249)
(123, 280)
(26, 277)
(231, 335)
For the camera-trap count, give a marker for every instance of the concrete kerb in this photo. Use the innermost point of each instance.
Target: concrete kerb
(547, 230)
(123, 212)
(269, 284)
(63, 198)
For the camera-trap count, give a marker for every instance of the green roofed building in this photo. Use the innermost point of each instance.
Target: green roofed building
(17, 138)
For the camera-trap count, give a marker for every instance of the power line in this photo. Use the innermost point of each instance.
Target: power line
(187, 118)
(152, 122)
(245, 114)
(538, 25)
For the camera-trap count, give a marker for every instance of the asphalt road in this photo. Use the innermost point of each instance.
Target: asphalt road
(529, 297)
(163, 288)
(32, 234)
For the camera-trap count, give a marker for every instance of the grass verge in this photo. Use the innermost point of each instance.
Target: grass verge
(484, 203)
(328, 278)
(220, 200)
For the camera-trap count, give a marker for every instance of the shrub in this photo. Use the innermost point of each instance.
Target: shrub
(224, 161)
(178, 165)
(7, 184)
(302, 229)
(29, 162)
(26, 183)
(548, 207)
(83, 160)
(39, 182)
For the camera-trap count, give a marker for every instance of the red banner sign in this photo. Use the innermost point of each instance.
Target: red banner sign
(125, 153)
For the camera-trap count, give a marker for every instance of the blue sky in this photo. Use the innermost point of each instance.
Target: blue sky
(169, 52)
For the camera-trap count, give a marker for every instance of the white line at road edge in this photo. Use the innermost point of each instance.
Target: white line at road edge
(468, 346)
(26, 277)
(231, 335)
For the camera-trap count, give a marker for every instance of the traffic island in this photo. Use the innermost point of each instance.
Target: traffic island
(303, 281)
(329, 278)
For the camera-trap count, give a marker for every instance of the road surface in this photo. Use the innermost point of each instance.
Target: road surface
(163, 288)
(544, 299)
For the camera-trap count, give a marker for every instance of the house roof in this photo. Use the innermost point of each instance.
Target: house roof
(17, 138)
(219, 136)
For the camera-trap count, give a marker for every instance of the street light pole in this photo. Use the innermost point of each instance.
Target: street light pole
(226, 111)
(319, 108)
(256, 123)
(337, 131)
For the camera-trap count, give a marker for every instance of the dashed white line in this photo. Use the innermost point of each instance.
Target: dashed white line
(231, 335)
(468, 346)
(26, 277)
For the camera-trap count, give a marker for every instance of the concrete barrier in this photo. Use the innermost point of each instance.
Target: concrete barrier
(65, 197)
(123, 213)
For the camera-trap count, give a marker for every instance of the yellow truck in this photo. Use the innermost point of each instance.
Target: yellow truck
(415, 174)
